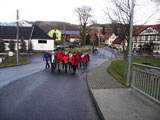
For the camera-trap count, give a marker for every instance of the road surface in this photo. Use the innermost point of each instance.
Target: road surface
(30, 92)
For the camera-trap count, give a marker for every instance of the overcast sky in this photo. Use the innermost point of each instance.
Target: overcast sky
(63, 10)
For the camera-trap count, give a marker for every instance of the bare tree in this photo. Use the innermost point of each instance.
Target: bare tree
(84, 15)
(121, 20)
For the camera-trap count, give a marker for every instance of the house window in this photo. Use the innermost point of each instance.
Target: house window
(6, 41)
(135, 38)
(154, 37)
(149, 30)
(42, 41)
(146, 38)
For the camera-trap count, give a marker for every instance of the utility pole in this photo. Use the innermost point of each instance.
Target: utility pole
(17, 37)
(64, 35)
(130, 44)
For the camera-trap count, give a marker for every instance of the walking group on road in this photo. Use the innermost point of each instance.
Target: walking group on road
(66, 61)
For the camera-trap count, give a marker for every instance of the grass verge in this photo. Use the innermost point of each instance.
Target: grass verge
(117, 71)
(11, 61)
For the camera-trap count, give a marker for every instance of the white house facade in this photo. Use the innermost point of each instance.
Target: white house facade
(42, 44)
(147, 36)
(30, 34)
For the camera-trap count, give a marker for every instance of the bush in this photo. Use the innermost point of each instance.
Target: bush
(2, 45)
(23, 45)
(11, 45)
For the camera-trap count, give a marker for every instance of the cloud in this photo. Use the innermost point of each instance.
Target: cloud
(157, 1)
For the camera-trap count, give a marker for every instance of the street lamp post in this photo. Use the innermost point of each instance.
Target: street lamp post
(17, 37)
(130, 45)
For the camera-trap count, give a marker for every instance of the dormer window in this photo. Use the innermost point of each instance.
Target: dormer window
(149, 30)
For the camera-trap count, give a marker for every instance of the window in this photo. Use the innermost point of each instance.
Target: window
(42, 41)
(135, 38)
(149, 30)
(6, 41)
(146, 38)
(154, 37)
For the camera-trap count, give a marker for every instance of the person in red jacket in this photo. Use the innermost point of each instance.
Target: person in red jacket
(65, 59)
(74, 62)
(79, 59)
(85, 61)
(59, 58)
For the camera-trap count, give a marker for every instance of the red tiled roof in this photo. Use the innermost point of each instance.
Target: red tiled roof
(118, 40)
(106, 36)
(138, 29)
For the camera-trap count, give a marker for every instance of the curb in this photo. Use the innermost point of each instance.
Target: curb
(94, 100)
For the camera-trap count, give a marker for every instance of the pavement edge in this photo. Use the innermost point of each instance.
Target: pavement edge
(94, 99)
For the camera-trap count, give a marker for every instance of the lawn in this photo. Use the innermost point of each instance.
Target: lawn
(76, 50)
(11, 61)
(117, 71)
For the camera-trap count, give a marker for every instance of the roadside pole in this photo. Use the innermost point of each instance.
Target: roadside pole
(64, 37)
(130, 45)
(17, 37)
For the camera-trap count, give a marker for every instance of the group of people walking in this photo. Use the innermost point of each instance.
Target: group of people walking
(66, 61)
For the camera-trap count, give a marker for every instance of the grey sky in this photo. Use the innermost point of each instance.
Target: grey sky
(63, 10)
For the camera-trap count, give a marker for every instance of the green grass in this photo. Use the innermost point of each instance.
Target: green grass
(11, 61)
(76, 50)
(117, 71)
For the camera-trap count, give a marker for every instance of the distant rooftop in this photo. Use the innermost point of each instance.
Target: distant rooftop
(70, 32)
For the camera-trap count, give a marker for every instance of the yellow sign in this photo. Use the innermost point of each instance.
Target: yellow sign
(57, 32)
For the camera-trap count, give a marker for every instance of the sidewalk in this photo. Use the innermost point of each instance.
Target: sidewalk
(115, 102)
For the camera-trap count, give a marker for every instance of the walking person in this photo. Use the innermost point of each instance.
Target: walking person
(79, 59)
(54, 61)
(59, 59)
(85, 61)
(74, 61)
(69, 63)
(65, 59)
(47, 58)
(63, 64)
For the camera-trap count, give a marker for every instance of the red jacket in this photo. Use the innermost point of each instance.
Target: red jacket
(79, 58)
(85, 59)
(74, 60)
(66, 59)
(59, 57)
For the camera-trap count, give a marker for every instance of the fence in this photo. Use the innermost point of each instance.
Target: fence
(146, 79)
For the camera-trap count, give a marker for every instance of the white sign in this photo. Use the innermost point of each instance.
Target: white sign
(10, 53)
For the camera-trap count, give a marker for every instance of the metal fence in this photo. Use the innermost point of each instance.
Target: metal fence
(146, 79)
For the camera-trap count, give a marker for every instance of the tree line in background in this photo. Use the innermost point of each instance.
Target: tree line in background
(12, 45)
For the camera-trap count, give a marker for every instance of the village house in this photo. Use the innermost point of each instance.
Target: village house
(107, 39)
(39, 39)
(119, 43)
(8, 33)
(144, 36)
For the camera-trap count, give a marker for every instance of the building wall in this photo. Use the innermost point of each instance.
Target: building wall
(58, 34)
(40, 45)
(145, 37)
(110, 40)
(7, 44)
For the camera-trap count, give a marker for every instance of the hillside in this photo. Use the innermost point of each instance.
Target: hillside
(46, 26)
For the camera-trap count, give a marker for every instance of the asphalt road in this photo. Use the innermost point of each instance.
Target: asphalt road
(31, 92)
